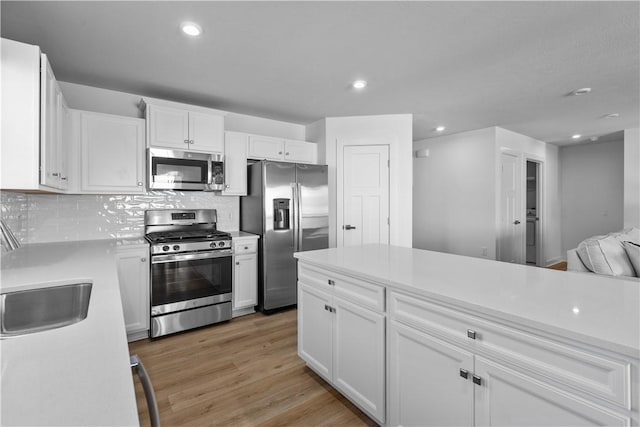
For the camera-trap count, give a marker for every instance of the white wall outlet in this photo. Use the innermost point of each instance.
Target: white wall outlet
(485, 251)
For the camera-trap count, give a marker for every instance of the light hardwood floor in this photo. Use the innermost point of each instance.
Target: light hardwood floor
(245, 372)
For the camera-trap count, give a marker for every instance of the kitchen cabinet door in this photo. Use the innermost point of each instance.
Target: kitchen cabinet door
(168, 127)
(265, 147)
(359, 356)
(206, 132)
(235, 164)
(51, 117)
(245, 281)
(133, 277)
(506, 397)
(426, 387)
(112, 154)
(300, 152)
(315, 330)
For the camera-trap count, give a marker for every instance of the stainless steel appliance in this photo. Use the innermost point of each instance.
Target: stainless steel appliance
(191, 270)
(185, 170)
(287, 204)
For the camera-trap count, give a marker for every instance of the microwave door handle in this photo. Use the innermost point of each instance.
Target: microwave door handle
(210, 172)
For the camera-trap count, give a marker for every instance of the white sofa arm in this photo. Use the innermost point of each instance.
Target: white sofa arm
(574, 263)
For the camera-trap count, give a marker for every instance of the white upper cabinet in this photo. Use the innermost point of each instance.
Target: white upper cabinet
(235, 164)
(184, 127)
(112, 153)
(33, 114)
(270, 148)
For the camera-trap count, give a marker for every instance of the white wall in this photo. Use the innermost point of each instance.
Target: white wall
(393, 130)
(453, 194)
(552, 209)
(317, 132)
(592, 180)
(632, 178)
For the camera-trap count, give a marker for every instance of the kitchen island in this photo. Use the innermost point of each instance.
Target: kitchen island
(417, 337)
(77, 374)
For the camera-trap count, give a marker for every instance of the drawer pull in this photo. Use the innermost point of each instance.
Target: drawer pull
(477, 380)
(331, 282)
(246, 247)
(464, 373)
(471, 334)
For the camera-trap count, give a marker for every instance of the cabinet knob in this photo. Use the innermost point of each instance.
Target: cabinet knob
(464, 373)
(477, 380)
(237, 262)
(226, 186)
(139, 184)
(64, 178)
(143, 260)
(331, 282)
(246, 247)
(279, 152)
(471, 334)
(186, 141)
(286, 154)
(191, 142)
(55, 174)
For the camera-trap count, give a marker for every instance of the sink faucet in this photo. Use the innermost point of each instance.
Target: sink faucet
(9, 241)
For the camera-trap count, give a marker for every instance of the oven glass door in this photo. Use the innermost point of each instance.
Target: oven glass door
(185, 277)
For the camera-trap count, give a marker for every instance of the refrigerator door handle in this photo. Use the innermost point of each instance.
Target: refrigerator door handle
(299, 216)
(294, 190)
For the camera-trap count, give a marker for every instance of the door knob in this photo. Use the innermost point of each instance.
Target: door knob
(348, 227)
(516, 222)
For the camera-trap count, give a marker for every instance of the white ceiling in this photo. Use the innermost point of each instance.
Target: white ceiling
(466, 65)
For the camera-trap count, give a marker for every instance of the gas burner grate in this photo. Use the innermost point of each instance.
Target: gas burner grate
(180, 236)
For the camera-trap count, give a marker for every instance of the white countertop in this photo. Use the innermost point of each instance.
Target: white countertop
(74, 375)
(242, 235)
(608, 309)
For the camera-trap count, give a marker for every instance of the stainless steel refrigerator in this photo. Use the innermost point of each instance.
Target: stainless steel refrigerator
(287, 204)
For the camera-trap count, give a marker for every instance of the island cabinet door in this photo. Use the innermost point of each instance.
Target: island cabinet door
(506, 397)
(315, 330)
(359, 356)
(430, 380)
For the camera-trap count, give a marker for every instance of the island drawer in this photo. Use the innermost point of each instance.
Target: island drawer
(359, 291)
(245, 246)
(568, 366)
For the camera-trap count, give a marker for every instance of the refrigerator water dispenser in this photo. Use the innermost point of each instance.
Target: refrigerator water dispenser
(281, 214)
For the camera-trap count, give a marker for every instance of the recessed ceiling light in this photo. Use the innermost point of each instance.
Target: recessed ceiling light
(581, 91)
(612, 116)
(440, 129)
(191, 29)
(359, 84)
(576, 136)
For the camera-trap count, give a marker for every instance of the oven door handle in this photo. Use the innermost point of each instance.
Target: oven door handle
(158, 259)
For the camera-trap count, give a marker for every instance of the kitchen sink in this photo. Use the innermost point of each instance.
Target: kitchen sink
(41, 309)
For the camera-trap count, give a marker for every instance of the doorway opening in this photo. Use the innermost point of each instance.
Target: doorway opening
(533, 237)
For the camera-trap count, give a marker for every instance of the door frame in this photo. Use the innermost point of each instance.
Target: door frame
(340, 146)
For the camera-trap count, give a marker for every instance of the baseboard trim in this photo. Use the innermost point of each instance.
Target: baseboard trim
(243, 311)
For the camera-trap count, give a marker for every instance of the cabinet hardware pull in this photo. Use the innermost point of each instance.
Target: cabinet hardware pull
(55, 174)
(139, 184)
(516, 222)
(477, 380)
(331, 282)
(186, 141)
(64, 178)
(286, 154)
(237, 262)
(464, 373)
(246, 247)
(227, 186)
(143, 259)
(326, 307)
(471, 334)
(191, 142)
(279, 152)
(349, 227)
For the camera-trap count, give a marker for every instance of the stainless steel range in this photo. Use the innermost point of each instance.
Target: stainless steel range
(191, 270)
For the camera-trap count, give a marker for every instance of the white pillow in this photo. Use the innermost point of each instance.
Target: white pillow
(606, 255)
(631, 235)
(633, 252)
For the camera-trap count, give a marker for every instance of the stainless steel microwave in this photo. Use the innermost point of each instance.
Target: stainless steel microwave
(185, 170)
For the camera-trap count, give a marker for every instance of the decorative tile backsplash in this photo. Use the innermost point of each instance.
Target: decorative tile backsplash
(40, 218)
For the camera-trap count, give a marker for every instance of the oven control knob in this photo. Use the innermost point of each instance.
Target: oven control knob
(165, 248)
(212, 245)
(221, 244)
(176, 247)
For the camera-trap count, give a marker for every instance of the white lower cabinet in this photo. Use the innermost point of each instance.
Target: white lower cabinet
(342, 341)
(451, 369)
(133, 275)
(426, 380)
(245, 275)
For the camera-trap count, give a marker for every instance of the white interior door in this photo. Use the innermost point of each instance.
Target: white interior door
(512, 221)
(365, 209)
